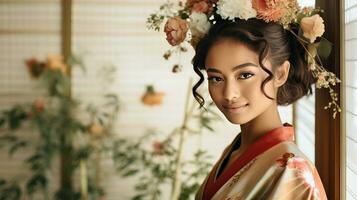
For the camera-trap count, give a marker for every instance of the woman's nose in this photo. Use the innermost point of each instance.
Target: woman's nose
(231, 91)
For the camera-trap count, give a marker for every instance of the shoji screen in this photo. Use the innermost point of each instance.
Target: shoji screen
(111, 32)
(351, 98)
(27, 28)
(305, 125)
(305, 116)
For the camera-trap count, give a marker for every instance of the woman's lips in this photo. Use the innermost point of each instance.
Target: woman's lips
(235, 109)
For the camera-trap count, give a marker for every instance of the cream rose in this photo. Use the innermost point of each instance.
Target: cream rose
(230, 9)
(176, 29)
(312, 27)
(199, 26)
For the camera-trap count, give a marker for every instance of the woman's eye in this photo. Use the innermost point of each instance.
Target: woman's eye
(245, 75)
(214, 79)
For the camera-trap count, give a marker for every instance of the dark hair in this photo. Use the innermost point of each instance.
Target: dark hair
(268, 40)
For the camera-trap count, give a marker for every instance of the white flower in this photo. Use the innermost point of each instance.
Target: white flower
(199, 24)
(230, 9)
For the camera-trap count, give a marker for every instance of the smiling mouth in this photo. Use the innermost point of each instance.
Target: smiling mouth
(235, 109)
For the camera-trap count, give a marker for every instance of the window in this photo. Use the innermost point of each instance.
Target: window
(304, 119)
(351, 97)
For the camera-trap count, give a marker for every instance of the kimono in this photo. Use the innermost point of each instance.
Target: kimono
(272, 167)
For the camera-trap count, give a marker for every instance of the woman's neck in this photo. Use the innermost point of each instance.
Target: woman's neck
(259, 126)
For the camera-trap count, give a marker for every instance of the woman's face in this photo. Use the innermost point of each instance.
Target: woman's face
(235, 79)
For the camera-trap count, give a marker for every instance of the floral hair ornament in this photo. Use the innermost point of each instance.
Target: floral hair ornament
(188, 22)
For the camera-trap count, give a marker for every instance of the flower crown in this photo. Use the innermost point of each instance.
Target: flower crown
(188, 22)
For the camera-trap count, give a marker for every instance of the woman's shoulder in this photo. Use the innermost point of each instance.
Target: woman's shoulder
(299, 175)
(290, 150)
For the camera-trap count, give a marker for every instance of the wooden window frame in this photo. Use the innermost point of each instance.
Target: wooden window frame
(329, 140)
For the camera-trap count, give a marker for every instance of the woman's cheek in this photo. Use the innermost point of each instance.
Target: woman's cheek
(249, 88)
(212, 92)
(269, 89)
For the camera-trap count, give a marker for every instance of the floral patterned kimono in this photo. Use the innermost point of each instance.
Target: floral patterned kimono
(271, 168)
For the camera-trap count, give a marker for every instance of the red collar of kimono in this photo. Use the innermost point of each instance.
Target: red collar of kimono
(273, 137)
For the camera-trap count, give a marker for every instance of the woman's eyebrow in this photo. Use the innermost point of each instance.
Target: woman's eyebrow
(234, 68)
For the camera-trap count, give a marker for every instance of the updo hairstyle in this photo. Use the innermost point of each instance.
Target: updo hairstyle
(268, 40)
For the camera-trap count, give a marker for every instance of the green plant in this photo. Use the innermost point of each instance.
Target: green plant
(162, 163)
(156, 166)
(57, 128)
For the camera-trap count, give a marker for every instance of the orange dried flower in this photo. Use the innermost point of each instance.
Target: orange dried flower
(56, 62)
(151, 97)
(275, 10)
(96, 129)
(268, 10)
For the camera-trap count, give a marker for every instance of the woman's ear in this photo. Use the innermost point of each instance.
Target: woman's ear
(282, 74)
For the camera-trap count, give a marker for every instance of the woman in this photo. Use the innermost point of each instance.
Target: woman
(257, 54)
(252, 67)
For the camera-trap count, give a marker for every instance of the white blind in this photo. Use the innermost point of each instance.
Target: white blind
(27, 28)
(305, 125)
(305, 115)
(351, 98)
(114, 32)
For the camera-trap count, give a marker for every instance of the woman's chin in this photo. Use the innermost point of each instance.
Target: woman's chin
(237, 120)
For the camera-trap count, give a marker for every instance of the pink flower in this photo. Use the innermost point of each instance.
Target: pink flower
(304, 171)
(39, 105)
(312, 27)
(298, 163)
(201, 7)
(158, 147)
(281, 161)
(269, 10)
(204, 6)
(176, 29)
